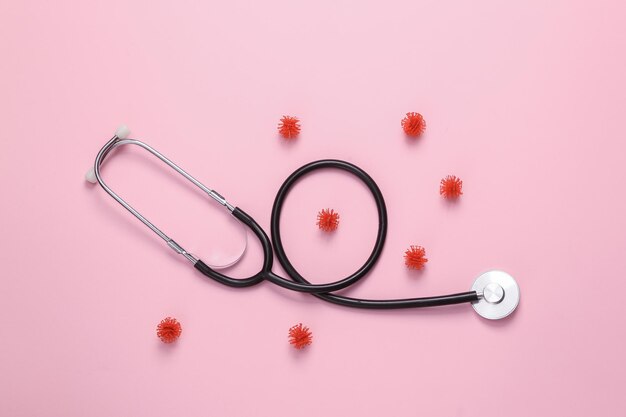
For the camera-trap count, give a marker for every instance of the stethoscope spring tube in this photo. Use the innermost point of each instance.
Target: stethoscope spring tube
(495, 294)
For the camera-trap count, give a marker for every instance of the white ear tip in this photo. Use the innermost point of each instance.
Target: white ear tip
(91, 176)
(122, 132)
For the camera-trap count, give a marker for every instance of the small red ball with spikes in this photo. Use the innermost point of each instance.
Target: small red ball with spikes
(413, 124)
(169, 330)
(451, 187)
(328, 220)
(415, 257)
(289, 127)
(300, 336)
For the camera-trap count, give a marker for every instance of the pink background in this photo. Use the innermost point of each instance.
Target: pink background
(524, 101)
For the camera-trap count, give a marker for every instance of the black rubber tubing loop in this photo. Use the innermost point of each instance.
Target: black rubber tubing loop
(302, 284)
(323, 291)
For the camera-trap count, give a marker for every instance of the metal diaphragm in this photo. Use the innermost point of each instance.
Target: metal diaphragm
(498, 295)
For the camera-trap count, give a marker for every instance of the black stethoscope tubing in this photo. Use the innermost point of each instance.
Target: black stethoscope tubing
(324, 291)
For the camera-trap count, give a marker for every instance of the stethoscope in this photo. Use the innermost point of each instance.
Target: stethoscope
(493, 295)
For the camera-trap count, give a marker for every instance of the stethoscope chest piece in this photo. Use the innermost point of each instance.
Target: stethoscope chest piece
(498, 295)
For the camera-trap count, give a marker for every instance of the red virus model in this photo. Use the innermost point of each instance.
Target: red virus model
(328, 220)
(289, 127)
(415, 257)
(300, 336)
(413, 124)
(451, 187)
(169, 330)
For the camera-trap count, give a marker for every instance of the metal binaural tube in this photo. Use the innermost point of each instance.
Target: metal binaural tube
(115, 142)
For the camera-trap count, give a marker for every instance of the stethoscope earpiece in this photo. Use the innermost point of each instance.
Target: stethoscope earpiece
(121, 132)
(498, 295)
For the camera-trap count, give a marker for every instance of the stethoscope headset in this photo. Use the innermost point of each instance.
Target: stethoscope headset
(494, 294)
